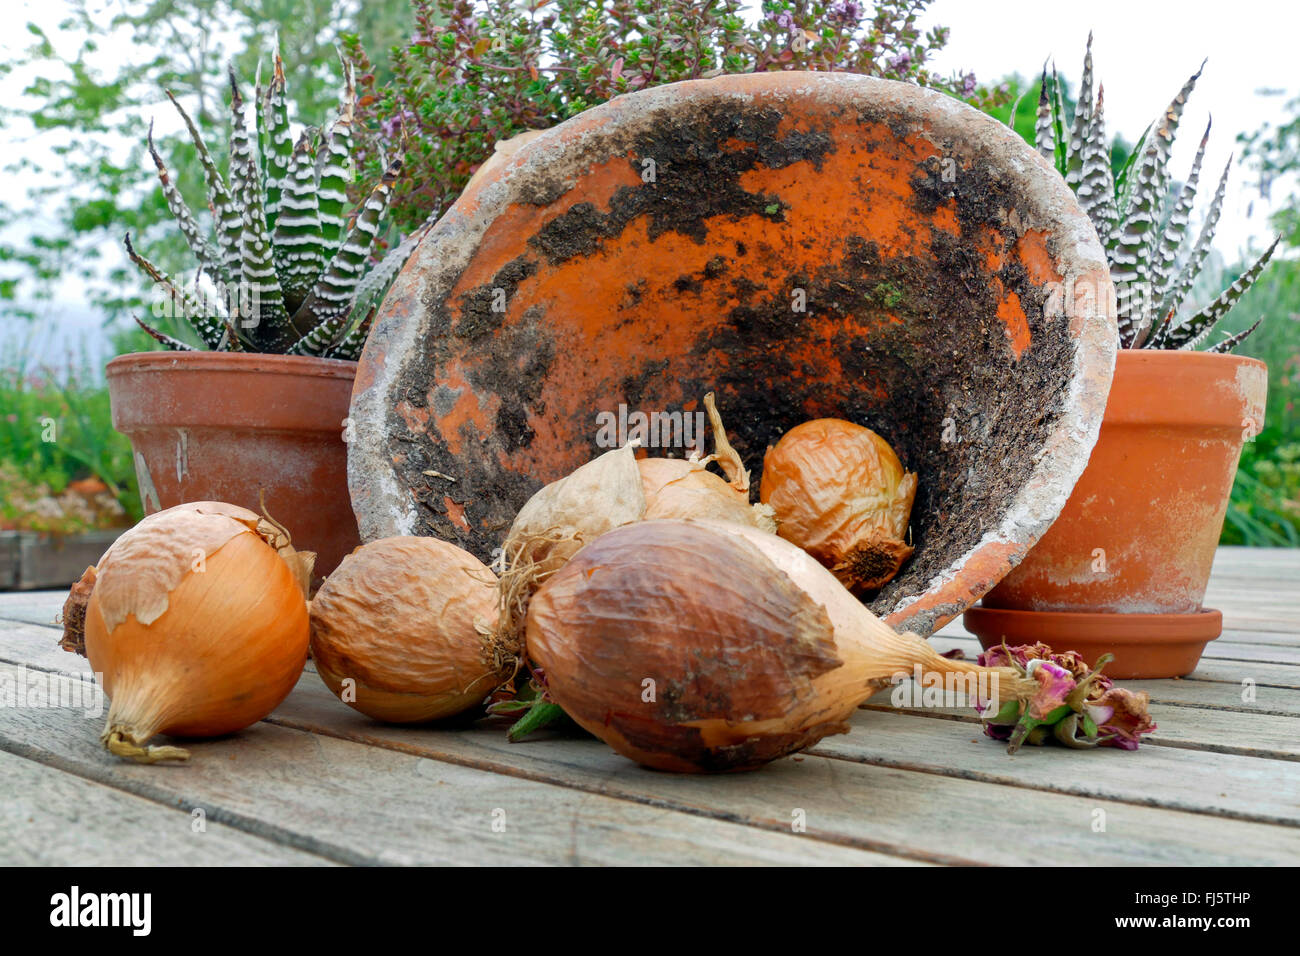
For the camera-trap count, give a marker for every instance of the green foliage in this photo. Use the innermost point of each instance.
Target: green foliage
(1274, 152)
(1139, 220)
(99, 183)
(286, 264)
(1265, 505)
(473, 75)
(54, 432)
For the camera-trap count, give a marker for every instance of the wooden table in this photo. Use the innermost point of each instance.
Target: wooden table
(317, 784)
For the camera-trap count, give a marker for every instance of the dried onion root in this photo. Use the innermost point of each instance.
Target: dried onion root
(712, 646)
(840, 493)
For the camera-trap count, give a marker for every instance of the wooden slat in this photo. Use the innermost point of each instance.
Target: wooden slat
(1251, 734)
(369, 805)
(1209, 668)
(938, 815)
(1223, 784)
(52, 818)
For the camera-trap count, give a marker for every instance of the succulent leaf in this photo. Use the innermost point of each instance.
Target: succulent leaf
(329, 305)
(1171, 238)
(198, 313)
(1058, 125)
(174, 344)
(1195, 330)
(1172, 299)
(1080, 128)
(332, 164)
(225, 209)
(1096, 189)
(203, 250)
(278, 151)
(262, 314)
(1044, 140)
(299, 245)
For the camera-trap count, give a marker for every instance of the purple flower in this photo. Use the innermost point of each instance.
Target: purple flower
(392, 126)
(968, 84)
(1054, 685)
(846, 10)
(901, 62)
(784, 20)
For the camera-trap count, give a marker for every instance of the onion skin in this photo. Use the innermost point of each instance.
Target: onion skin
(678, 488)
(226, 650)
(840, 493)
(755, 649)
(873, 652)
(731, 645)
(401, 617)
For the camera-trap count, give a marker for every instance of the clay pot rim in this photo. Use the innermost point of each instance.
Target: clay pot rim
(1108, 627)
(1141, 391)
(235, 363)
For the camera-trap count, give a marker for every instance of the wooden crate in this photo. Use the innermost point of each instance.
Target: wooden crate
(31, 560)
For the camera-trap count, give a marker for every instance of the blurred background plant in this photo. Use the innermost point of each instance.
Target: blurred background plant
(63, 468)
(95, 181)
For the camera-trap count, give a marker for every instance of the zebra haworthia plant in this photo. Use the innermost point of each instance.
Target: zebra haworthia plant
(1141, 223)
(290, 268)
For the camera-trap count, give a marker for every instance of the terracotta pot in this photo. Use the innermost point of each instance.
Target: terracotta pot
(1138, 535)
(227, 426)
(805, 245)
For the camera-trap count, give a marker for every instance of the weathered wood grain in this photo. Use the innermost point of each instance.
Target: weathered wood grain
(52, 818)
(1262, 673)
(945, 816)
(369, 805)
(1269, 736)
(1227, 785)
(1220, 784)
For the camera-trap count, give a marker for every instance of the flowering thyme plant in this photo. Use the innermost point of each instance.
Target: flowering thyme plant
(476, 73)
(1075, 705)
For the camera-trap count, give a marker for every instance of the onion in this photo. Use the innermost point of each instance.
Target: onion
(404, 620)
(685, 488)
(198, 623)
(553, 525)
(840, 493)
(712, 646)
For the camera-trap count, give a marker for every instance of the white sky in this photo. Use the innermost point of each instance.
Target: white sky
(1143, 51)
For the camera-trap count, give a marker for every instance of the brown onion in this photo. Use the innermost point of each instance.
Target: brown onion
(398, 630)
(841, 494)
(712, 646)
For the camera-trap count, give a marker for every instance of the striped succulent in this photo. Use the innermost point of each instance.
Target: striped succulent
(1141, 223)
(292, 269)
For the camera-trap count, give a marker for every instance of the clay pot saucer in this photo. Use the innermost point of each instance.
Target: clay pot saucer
(1144, 645)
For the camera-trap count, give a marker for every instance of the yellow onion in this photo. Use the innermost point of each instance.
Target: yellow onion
(712, 646)
(840, 493)
(197, 622)
(398, 631)
(685, 488)
(554, 524)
